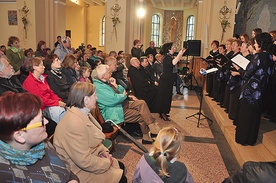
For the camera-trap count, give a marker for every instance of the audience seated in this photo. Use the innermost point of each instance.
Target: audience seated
(55, 78)
(158, 66)
(160, 164)
(84, 74)
(143, 85)
(37, 84)
(114, 105)
(8, 82)
(69, 65)
(118, 74)
(25, 157)
(78, 139)
(41, 49)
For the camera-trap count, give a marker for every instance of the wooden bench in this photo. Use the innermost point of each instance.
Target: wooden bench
(111, 135)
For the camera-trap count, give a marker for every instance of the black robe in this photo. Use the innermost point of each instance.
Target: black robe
(142, 86)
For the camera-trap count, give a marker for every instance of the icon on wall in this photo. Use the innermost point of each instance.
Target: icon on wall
(12, 17)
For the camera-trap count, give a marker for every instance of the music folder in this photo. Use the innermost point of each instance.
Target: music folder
(240, 61)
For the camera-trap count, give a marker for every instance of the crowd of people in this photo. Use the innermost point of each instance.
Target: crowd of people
(63, 86)
(245, 92)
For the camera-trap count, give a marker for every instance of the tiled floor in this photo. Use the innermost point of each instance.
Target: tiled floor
(205, 151)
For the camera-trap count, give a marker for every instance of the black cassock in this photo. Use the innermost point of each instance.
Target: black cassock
(143, 87)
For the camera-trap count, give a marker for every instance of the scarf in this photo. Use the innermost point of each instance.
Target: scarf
(16, 50)
(19, 157)
(57, 72)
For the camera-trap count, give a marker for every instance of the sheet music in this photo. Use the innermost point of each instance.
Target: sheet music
(240, 61)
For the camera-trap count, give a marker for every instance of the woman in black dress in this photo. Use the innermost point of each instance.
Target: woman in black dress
(165, 87)
(254, 84)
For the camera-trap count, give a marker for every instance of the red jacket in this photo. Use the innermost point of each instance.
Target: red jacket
(43, 90)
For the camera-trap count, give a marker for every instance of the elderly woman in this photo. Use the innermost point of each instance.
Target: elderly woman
(56, 79)
(37, 84)
(15, 54)
(24, 156)
(160, 164)
(78, 139)
(69, 65)
(254, 84)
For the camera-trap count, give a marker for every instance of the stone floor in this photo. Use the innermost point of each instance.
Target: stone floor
(205, 150)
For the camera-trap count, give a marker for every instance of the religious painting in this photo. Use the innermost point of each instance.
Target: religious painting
(12, 17)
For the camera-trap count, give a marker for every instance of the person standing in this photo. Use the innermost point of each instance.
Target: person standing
(64, 48)
(15, 54)
(254, 84)
(136, 50)
(151, 49)
(165, 87)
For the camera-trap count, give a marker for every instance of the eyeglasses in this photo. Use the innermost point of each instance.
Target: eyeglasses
(36, 125)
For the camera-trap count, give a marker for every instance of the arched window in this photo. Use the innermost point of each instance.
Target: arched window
(190, 31)
(103, 31)
(155, 29)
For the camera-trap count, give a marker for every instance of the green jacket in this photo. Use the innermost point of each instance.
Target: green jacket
(110, 102)
(16, 59)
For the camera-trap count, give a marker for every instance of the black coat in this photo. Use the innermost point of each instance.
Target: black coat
(13, 84)
(58, 84)
(142, 86)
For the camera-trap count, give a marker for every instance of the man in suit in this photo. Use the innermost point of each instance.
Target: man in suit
(151, 49)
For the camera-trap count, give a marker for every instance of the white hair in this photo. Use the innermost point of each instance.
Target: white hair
(101, 70)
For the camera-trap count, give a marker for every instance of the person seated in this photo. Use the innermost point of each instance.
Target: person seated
(37, 84)
(78, 139)
(252, 172)
(8, 82)
(160, 164)
(84, 74)
(118, 74)
(143, 85)
(69, 65)
(55, 78)
(29, 54)
(114, 105)
(158, 66)
(25, 156)
(41, 49)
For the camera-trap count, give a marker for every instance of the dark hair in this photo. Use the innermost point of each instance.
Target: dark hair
(2, 46)
(135, 41)
(39, 44)
(264, 40)
(257, 31)
(237, 36)
(216, 43)
(77, 93)
(273, 34)
(49, 59)
(58, 37)
(143, 58)
(223, 46)
(12, 39)
(14, 115)
(33, 62)
(27, 51)
(166, 47)
(119, 52)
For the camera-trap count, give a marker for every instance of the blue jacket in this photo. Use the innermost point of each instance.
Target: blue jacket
(110, 102)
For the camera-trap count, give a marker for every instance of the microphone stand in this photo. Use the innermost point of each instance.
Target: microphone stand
(199, 113)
